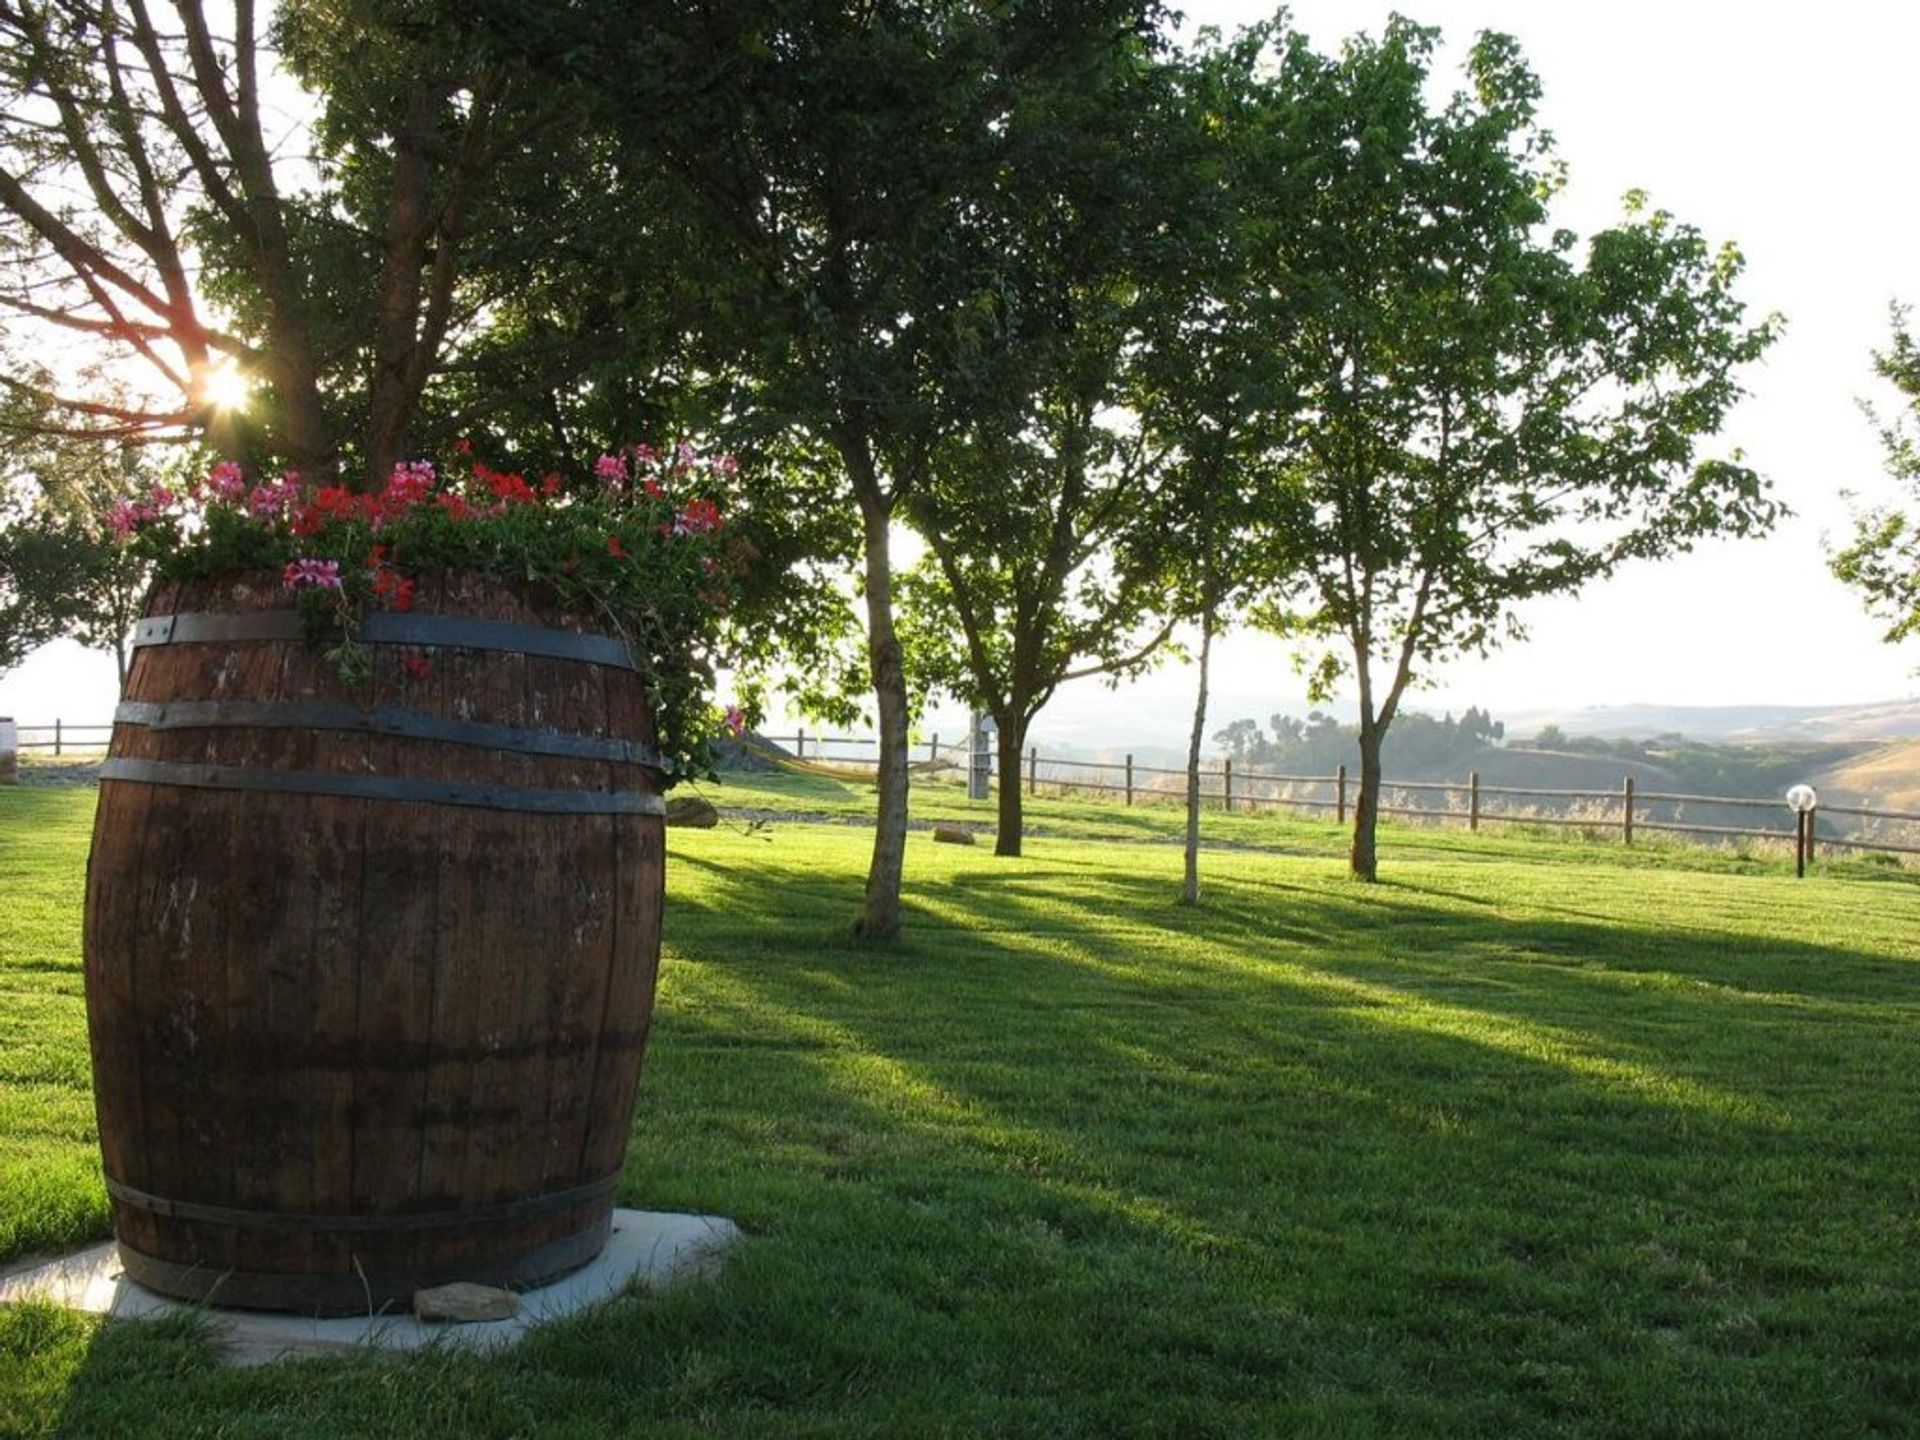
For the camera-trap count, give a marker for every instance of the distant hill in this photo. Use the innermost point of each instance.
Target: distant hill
(1812, 724)
(1885, 777)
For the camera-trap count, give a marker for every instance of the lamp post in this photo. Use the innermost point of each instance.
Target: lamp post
(1803, 800)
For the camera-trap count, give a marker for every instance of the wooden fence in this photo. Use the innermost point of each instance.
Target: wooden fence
(62, 736)
(1627, 811)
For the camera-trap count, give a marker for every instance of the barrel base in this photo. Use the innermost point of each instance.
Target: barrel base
(357, 1293)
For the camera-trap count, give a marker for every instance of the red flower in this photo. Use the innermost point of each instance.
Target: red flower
(615, 548)
(417, 666)
(395, 589)
(697, 517)
(463, 447)
(511, 489)
(550, 484)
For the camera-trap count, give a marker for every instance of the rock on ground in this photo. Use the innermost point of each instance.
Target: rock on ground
(464, 1301)
(692, 812)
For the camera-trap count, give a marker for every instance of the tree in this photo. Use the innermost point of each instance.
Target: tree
(38, 573)
(1487, 420)
(61, 574)
(1883, 562)
(829, 149)
(1210, 386)
(1060, 530)
(202, 258)
(72, 485)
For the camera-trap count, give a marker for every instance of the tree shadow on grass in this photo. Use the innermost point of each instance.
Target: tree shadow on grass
(1077, 1161)
(1517, 1143)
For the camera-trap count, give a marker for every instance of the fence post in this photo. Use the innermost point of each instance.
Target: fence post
(1033, 770)
(9, 751)
(933, 747)
(1340, 796)
(800, 744)
(1626, 810)
(1473, 800)
(1226, 783)
(56, 735)
(1813, 819)
(1129, 779)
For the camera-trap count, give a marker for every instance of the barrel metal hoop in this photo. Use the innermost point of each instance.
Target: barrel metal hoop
(389, 627)
(383, 787)
(380, 720)
(375, 1287)
(530, 1208)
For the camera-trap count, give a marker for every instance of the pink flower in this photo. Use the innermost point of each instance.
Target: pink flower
(726, 465)
(271, 500)
(126, 516)
(323, 574)
(410, 484)
(228, 481)
(161, 496)
(645, 454)
(122, 518)
(611, 468)
(735, 721)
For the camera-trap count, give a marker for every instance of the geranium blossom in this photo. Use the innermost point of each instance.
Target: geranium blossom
(228, 481)
(697, 517)
(308, 571)
(276, 498)
(410, 484)
(126, 516)
(640, 549)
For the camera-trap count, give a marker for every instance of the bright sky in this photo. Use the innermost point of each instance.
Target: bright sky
(1789, 137)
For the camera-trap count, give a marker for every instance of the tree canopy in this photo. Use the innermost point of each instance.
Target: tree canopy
(1491, 413)
(1883, 560)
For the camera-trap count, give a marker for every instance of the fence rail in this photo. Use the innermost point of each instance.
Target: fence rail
(1624, 811)
(62, 736)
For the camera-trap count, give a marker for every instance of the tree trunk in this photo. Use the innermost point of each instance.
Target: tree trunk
(1190, 895)
(1366, 809)
(1011, 740)
(397, 317)
(880, 915)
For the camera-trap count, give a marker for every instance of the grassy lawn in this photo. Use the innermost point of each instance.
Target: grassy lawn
(1531, 1138)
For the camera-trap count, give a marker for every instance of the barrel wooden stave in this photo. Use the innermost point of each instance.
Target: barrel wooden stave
(395, 1008)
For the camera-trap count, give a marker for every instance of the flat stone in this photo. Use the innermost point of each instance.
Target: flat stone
(464, 1303)
(691, 812)
(952, 835)
(648, 1251)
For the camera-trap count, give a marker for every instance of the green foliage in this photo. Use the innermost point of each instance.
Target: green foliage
(40, 568)
(1487, 419)
(1883, 562)
(639, 549)
(60, 572)
(1419, 744)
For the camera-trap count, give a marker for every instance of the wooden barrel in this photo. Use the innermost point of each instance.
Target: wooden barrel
(369, 968)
